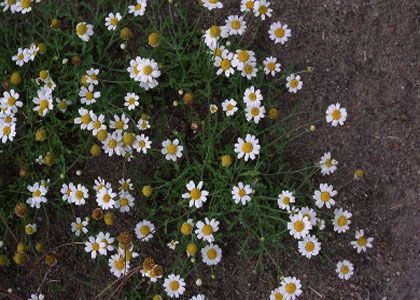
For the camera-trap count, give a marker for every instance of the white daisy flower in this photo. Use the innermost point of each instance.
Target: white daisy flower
(324, 196)
(79, 226)
(309, 246)
(254, 112)
(249, 70)
(113, 144)
(43, 101)
(344, 269)
(212, 4)
(96, 123)
(294, 83)
(291, 288)
(36, 296)
(62, 104)
(336, 115)
(206, 229)
(9, 102)
(95, 246)
(111, 22)
(277, 294)
(362, 243)
(84, 119)
(38, 192)
(252, 96)
(125, 185)
(285, 199)
(144, 230)
(7, 131)
(142, 143)
(212, 36)
(124, 202)
(213, 108)
(84, 31)
(248, 148)
(145, 71)
(131, 101)
(105, 198)
(30, 229)
(25, 6)
(310, 214)
(229, 106)
(88, 95)
(241, 193)
(92, 76)
(262, 9)
(328, 165)
(279, 33)
(9, 4)
(243, 57)
(341, 220)
(224, 64)
(235, 25)
(320, 224)
(119, 124)
(22, 57)
(271, 66)
(138, 8)
(33, 50)
(107, 240)
(196, 195)
(198, 297)
(174, 286)
(247, 5)
(118, 265)
(79, 195)
(211, 254)
(143, 123)
(299, 226)
(100, 184)
(66, 192)
(172, 244)
(171, 149)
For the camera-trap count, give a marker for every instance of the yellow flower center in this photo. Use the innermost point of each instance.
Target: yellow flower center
(106, 198)
(11, 2)
(112, 143)
(236, 24)
(195, 194)
(142, 144)
(131, 101)
(279, 32)
(278, 296)
(213, 1)
(294, 83)
(290, 288)
(309, 246)
(299, 226)
(119, 124)
(345, 269)
(147, 70)
(86, 119)
(248, 69)
(217, 52)
(81, 28)
(328, 163)
(136, 70)
(21, 56)
(26, 3)
(186, 228)
(212, 254)
(255, 111)
(215, 31)
(174, 285)
(171, 149)
(325, 196)
(128, 138)
(137, 6)
(95, 246)
(271, 66)
(97, 124)
(11, 101)
(79, 194)
(263, 9)
(79, 226)
(362, 241)
(62, 105)
(247, 147)
(114, 21)
(242, 193)
(229, 107)
(243, 56)
(336, 115)
(119, 264)
(43, 104)
(249, 4)
(225, 64)
(36, 194)
(7, 130)
(8, 119)
(89, 95)
(144, 230)
(286, 200)
(123, 201)
(207, 229)
(342, 221)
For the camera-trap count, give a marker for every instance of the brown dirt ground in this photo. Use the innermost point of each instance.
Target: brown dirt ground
(365, 56)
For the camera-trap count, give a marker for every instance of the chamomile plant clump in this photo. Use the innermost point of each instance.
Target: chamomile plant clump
(141, 143)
